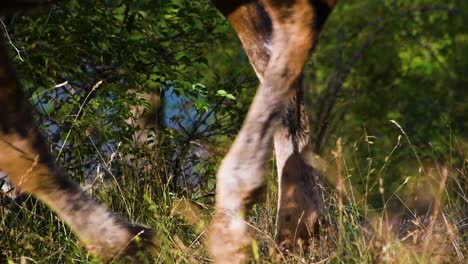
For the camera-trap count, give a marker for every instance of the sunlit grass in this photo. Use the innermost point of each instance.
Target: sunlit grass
(421, 220)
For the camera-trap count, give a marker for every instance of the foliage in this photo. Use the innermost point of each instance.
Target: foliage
(388, 78)
(392, 60)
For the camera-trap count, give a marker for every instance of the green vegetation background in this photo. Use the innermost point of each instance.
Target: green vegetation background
(390, 78)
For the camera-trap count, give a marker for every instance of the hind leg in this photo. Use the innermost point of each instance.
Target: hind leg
(298, 191)
(25, 158)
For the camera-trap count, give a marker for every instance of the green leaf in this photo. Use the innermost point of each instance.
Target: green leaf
(223, 93)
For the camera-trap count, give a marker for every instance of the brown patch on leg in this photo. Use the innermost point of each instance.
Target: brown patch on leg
(299, 203)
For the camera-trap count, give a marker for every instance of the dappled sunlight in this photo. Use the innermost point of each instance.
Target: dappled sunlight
(361, 157)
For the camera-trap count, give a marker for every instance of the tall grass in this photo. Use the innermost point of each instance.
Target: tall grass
(353, 229)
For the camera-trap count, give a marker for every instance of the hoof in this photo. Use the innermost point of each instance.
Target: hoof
(229, 239)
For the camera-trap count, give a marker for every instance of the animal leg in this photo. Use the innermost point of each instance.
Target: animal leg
(298, 197)
(241, 174)
(24, 156)
(298, 191)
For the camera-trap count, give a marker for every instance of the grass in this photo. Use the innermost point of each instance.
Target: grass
(353, 229)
